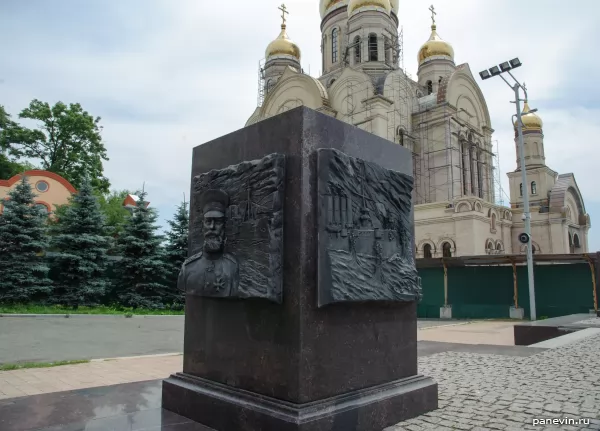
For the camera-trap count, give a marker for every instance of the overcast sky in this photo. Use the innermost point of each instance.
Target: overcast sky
(167, 75)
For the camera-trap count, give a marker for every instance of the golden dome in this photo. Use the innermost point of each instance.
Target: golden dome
(531, 121)
(354, 5)
(327, 5)
(283, 46)
(435, 46)
(395, 5)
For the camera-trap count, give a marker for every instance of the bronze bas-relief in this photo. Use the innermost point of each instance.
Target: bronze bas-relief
(236, 231)
(212, 272)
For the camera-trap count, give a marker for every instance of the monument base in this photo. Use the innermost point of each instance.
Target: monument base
(226, 408)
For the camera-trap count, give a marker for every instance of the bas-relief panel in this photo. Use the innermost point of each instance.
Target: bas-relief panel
(365, 232)
(237, 234)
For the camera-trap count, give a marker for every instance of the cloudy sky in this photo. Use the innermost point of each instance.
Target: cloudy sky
(167, 75)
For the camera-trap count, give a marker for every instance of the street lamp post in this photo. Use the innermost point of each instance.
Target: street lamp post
(497, 71)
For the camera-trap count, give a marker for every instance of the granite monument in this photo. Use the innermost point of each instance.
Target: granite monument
(301, 344)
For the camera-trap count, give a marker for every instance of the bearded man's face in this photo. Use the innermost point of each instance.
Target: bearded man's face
(214, 234)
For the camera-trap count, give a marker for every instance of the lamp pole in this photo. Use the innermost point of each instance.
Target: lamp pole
(495, 71)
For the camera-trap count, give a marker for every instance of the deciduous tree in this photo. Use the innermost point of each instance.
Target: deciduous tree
(67, 141)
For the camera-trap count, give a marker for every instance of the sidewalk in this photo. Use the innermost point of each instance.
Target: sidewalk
(36, 381)
(494, 332)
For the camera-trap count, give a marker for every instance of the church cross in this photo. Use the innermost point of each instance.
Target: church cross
(283, 10)
(433, 14)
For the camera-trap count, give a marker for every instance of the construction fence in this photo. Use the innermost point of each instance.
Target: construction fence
(485, 287)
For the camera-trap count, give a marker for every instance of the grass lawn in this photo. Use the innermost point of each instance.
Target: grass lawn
(58, 309)
(10, 367)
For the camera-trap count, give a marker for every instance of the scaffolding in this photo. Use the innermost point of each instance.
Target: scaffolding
(261, 83)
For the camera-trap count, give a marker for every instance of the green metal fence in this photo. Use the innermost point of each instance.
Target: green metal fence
(487, 291)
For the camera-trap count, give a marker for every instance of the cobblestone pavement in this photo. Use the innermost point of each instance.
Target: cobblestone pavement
(490, 392)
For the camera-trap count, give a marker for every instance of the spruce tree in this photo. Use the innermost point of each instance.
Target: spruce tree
(81, 241)
(140, 275)
(177, 250)
(23, 272)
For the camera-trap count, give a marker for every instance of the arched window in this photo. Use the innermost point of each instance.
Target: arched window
(269, 85)
(334, 45)
(576, 242)
(465, 168)
(429, 87)
(373, 54)
(447, 249)
(493, 221)
(427, 251)
(331, 82)
(489, 247)
(479, 174)
(401, 135)
(357, 50)
(472, 163)
(323, 50)
(521, 189)
(571, 248)
(533, 188)
(533, 249)
(499, 247)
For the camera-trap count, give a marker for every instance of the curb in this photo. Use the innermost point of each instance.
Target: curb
(89, 315)
(122, 358)
(445, 326)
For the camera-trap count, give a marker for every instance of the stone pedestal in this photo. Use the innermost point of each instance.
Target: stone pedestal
(291, 360)
(517, 313)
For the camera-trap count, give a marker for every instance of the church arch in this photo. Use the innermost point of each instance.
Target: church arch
(533, 188)
(427, 247)
(447, 246)
(429, 87)
(489, 246)
(294, 88)
(535, 248)
(464, 207)
(478, 207)
(499, 247)
(493, 222)
(461, 85)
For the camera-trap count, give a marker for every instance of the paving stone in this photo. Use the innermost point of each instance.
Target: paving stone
(492, 392)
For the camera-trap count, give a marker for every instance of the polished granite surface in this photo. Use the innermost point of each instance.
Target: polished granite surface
(127, 407)
(137, 406)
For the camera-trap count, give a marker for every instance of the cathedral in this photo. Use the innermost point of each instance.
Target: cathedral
(442, 117)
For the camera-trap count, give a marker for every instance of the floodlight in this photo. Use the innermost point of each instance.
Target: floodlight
(485, 75)
(505, 66)
(515, 62)
(495, 71)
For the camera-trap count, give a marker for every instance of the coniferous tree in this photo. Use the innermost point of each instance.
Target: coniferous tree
(177, 249)
(23, 272)
(80, 238)
(140, 274)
